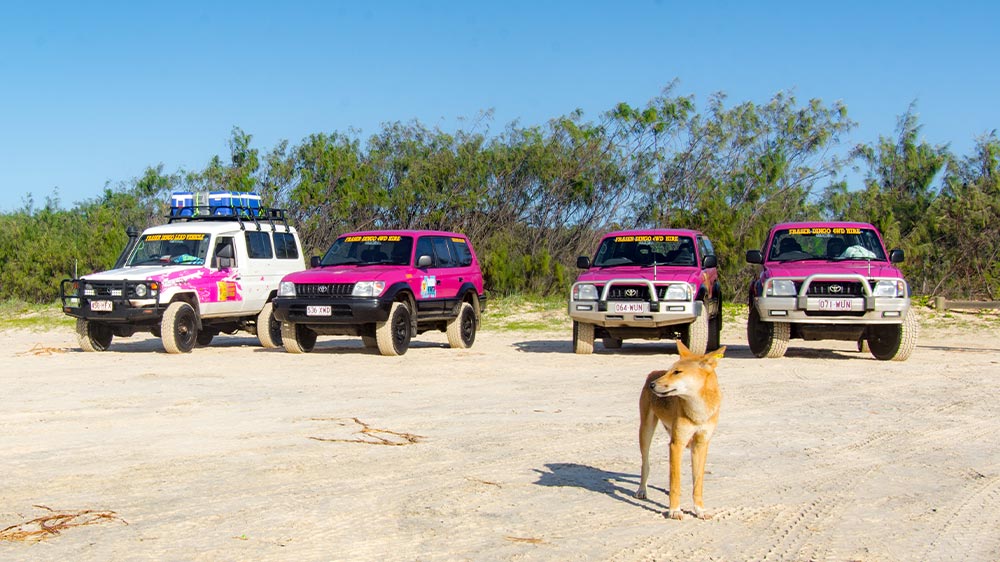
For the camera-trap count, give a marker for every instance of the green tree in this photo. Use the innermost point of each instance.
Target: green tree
(734, 171)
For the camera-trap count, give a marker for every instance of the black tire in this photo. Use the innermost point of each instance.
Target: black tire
(715, 331)
(268, 328)
(583, 338)
(462, 329)
(766, 339)
(611, 342)
(393, 335)
(93, 336)
(179, 328)
(894, 342)
(697, 334)
(205, 338)
(297, 338)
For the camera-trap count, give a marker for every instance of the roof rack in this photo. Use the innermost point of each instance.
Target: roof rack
(228, 213)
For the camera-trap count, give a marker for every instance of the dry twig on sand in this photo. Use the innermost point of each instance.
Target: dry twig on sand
(372, 435)
(528, 540)
(39, 349)
(47, 526)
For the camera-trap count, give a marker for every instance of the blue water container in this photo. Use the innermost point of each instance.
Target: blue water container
(250, 203)
(222, 202)
(181, 204)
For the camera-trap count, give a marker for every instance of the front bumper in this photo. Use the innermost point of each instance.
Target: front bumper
(110, 309)
(650, 310)
(804, 308)
(345, 311)
(658, 314)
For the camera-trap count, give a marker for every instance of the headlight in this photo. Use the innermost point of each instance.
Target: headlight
(368, 288)
(889, 288)
(677, 293)
(286, 289)
(585, 292)
(141, 290)
(88, 290)
(781, 288)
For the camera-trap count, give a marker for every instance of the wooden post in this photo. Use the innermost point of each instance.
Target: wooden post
(940, 304)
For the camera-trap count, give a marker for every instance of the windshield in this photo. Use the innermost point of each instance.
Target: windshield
(370, 250)
(645, 250)
(186, 248)
(826, 243)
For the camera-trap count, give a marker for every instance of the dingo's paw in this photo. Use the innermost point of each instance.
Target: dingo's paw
(674, 514)
(640, 494)
(700, 513)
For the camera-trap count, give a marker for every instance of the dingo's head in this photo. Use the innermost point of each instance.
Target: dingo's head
(689, 375)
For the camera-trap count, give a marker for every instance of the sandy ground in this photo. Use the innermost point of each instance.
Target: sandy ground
(516, 449)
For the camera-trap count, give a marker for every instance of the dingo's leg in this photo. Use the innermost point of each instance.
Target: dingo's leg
(699, 453)
(676, 453)
(647, 426)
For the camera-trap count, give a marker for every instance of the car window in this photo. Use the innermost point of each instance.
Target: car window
(259, 245)
(460, 249)
(284, 246)
(442, 252)
(189, 248)
(825, 243)
(369, 249)
(705, 245)
(645, 250)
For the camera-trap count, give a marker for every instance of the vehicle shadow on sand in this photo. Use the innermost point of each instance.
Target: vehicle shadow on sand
(620, 486)
(151, 344)
(639, 349)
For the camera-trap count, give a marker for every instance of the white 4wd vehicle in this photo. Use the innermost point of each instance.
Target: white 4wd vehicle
(189, 280)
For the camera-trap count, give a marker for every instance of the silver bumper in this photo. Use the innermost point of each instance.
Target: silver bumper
(810, 309)
(655, 313)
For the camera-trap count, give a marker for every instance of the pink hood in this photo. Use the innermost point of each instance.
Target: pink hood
(803, 269)
(663, 273)
(346, 274)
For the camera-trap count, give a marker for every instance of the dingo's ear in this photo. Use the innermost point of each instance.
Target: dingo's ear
(712, 357)
(683, 350)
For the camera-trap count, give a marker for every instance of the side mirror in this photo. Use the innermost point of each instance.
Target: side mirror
(424, 261)
(754, 256)
(314, 261)
(583, 262)
(224, 256)
(709, 262)
(896, 256)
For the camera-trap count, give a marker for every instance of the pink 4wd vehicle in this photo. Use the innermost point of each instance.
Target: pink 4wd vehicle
(649, 284)
(829, 280)
(385, 286)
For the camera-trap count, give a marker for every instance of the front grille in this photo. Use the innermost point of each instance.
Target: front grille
(108, 290)
(321, 290)
(628, 293)
(834, 289)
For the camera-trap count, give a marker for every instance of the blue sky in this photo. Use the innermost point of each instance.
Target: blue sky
(92, 93)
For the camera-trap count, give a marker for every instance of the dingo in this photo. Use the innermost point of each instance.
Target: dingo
(686, 399)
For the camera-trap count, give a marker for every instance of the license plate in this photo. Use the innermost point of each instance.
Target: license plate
(835, 305)
(101, 306)
(318, 311)
(631, 307)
